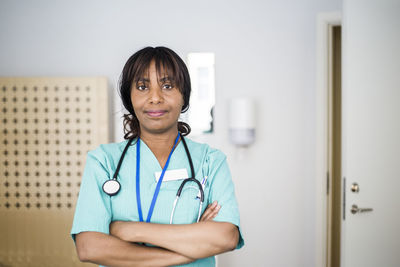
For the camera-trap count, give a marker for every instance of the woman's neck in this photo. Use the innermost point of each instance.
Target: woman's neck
(160, 144)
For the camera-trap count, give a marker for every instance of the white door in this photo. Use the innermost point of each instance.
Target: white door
(371, 132)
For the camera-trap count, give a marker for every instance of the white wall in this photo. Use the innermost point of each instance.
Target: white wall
(264, 49)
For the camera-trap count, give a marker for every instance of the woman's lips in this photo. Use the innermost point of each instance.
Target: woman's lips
(155, 113)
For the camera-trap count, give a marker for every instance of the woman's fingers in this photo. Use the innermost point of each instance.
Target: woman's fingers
(207, 212)
(214, 212)
(211, 212)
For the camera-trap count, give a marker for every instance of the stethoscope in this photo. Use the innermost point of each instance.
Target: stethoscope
(113, 186)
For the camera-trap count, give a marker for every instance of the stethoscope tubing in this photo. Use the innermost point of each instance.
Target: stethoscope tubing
(178, 193)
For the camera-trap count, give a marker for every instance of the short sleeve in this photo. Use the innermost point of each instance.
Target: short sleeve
(93, 211)
(222, 190)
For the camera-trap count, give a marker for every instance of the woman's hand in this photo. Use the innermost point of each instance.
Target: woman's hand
(117, 229)
(211, 212)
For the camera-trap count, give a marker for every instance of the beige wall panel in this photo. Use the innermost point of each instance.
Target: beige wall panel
(47, 125)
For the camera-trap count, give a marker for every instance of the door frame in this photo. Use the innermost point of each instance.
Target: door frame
(325, 21)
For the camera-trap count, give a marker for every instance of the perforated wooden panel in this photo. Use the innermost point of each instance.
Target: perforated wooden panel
(47, 125)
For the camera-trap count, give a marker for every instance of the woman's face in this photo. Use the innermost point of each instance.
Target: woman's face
(157, 102)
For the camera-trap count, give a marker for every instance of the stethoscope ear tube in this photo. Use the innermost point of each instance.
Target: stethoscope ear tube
(199, 213)
(178, 195)
(192, 179)
(173, 210)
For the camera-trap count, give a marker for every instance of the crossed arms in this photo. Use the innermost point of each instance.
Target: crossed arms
(176, 244)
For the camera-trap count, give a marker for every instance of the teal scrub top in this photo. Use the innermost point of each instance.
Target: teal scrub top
(95, 210)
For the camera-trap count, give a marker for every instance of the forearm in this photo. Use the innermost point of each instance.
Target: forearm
(108, 250)
(198, 240)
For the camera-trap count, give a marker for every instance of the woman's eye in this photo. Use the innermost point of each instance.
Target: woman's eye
(167, 86)
(141, 87)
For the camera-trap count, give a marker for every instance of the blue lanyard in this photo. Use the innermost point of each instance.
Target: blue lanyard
(153, 202)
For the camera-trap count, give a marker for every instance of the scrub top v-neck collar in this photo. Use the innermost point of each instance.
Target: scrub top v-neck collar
(177, 158)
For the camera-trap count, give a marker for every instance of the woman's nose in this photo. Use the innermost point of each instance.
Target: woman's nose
(156, 95)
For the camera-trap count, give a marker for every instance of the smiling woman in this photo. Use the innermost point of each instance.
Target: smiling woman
(154, 72)
(157, 102)
(155, 89)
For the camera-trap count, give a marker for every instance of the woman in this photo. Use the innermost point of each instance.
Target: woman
(138, 226)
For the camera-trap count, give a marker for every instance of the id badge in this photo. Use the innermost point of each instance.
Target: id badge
(172, 175)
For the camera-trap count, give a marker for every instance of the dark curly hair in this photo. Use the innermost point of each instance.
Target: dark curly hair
(135, 68)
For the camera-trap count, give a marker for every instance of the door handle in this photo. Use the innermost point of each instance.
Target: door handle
(355, 188)
(355, 209)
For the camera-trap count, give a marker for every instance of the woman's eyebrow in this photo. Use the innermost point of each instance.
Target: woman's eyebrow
(164, 79)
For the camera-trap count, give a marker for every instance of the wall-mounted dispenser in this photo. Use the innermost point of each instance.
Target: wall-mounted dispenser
(242, 122)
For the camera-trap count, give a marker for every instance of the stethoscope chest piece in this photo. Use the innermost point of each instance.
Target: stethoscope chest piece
(111, 187)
